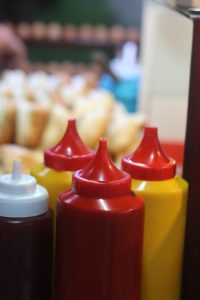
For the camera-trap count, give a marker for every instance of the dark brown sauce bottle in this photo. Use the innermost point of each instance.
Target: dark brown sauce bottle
(26, 239)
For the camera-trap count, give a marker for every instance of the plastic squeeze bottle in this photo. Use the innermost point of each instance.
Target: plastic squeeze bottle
(60, 161)
(26, 238)
(99, 234)
(165, 197)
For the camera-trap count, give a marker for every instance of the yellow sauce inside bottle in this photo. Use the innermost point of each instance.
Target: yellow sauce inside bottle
(165, 217)
(55, 182)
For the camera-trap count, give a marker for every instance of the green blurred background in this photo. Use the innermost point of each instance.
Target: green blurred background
(126, 12)
(108, 12)
(77, 12)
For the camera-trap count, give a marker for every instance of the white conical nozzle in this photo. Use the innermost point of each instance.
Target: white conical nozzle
(20, 195)
(17, 170)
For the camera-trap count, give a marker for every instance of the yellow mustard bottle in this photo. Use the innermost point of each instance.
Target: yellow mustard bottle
(165, 197)
(60, 161)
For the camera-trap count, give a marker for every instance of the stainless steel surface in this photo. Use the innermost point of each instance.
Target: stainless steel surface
(184, 3)
(190, 8)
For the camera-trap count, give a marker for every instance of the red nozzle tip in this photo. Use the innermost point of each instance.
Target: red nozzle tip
(101, 177)
(152, 131)
(71, 127)
(102, 168)
(72, 122)
(70, 154)
(149, 161)
(71, 143)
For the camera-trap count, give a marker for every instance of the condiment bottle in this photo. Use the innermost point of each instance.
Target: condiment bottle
(99, 234)
(60, 161)
(165, 197)
(26, 238)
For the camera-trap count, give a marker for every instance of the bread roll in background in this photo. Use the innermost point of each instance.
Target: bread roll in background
(93, 126)
(123, 130)
(56, 126)
(9, 153)
(31, 119)
(7, 120)
(35, 109)
(94, 115)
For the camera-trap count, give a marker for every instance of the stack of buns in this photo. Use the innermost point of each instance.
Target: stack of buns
(35, 109)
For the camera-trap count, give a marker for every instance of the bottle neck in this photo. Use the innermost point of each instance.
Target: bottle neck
(94, 189)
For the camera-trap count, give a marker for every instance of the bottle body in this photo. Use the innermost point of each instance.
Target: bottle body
(26, 257)
(99, 248)
(165, 216)
(55, 182)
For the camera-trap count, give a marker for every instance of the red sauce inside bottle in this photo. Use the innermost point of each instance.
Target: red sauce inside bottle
(99, 235)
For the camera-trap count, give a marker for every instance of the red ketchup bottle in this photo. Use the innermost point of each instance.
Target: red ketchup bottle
(99, 234)
(60, 161)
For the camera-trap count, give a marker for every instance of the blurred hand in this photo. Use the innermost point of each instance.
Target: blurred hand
(12, 49)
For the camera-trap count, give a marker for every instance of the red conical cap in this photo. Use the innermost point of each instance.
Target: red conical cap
(70, 154)
(149, 162)
(101, 178)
